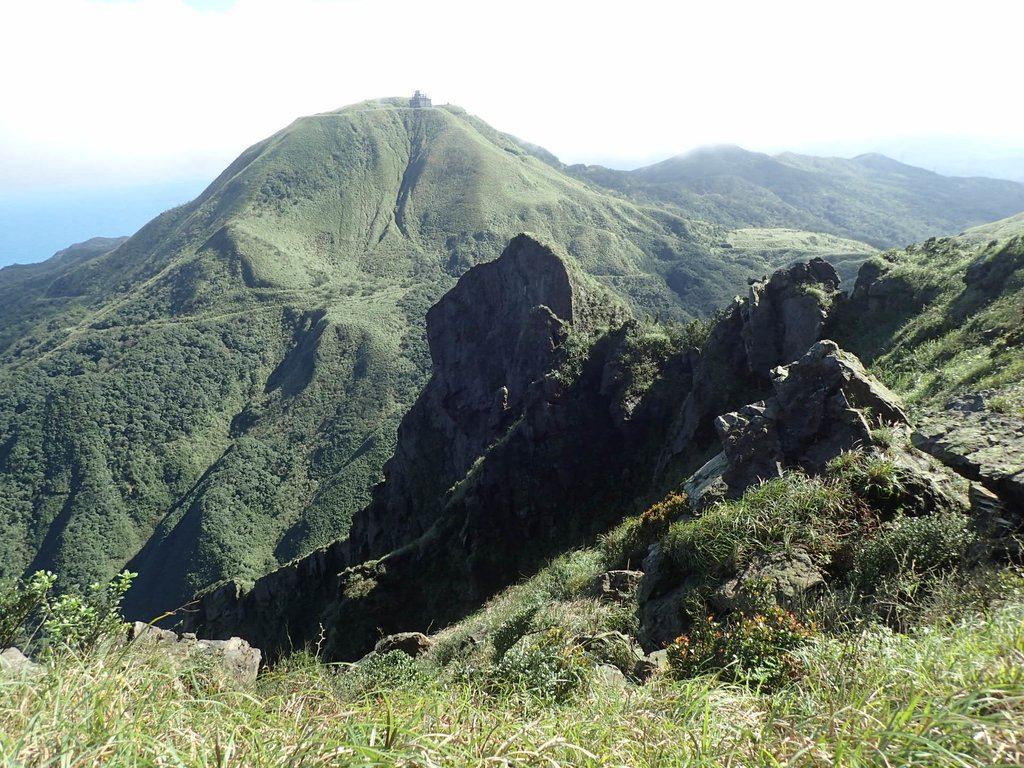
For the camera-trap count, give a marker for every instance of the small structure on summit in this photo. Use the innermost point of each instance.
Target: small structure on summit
(419, 100)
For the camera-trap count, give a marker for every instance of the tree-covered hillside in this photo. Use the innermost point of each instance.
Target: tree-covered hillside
(601, 540)
(217, 395)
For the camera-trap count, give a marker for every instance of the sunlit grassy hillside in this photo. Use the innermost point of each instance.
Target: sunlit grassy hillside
(871, 198)
(911, 652)
(946, 318)
(947, 691)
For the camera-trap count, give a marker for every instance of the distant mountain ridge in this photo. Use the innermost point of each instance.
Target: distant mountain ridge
(871, 197)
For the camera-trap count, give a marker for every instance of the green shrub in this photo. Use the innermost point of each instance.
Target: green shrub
(569, 575)
(612, 648)
(643, 356)
(912, 545)
(79, 621)
(384, 672)
(794, 510)
(509, 632)
(544, 665)
(454, 647)
(692, 334)
(873, 479)
(819, 293)
(751, 647)
(626, 544)
(74, 620)
(19, 601)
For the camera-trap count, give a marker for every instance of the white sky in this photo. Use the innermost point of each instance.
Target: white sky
(141, 90)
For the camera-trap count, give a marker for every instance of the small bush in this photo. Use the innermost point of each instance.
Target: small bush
(75, 621)
(19, 601)
(545, 666)
(643, 356)
(793, 510)
(626, 544)
(454, 647)
(754, 648)
(384, 672)
(511, 630)
(78, 622)
(819, 293)
(612, 648)
(919, 545)
(874, 479)
(569, 575)
(692, 334)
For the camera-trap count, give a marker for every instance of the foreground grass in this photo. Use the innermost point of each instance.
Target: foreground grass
(948, 694)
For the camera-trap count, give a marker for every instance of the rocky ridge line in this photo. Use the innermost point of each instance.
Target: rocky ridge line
(503, 463)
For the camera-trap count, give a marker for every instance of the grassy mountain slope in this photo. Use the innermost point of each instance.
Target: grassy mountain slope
(218, 394)
(944, 318)
(947, 695)
(870, 198)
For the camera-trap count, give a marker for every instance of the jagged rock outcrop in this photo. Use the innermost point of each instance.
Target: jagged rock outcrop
(486, 480)
(617, 586)
(497, 332)
(817, 412)
(783, 316)
(510, 456)
(823, 405)
(234, 658)
(877, 292)
(776, 323)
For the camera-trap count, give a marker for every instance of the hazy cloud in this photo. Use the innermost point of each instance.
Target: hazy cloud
(158, 88)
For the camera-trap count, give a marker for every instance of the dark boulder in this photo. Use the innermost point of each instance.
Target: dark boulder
(617, 586)
(784, 315)
(788, 576)
(775, 324)
(817, 412)
(413, 644)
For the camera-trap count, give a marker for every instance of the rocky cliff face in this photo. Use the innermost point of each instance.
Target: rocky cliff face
(514, 453)
(776, 323)
(981, 445)
(502, 328)
(783, 316)
(822, 405)
(495, 339)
